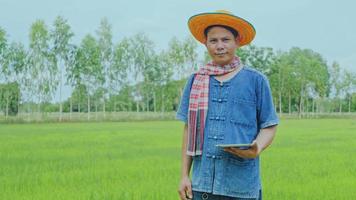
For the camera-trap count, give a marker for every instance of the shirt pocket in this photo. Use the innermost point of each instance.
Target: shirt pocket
(243, 123)
(244, 111)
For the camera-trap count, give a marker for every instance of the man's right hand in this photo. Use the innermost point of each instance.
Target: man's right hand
(185, 189)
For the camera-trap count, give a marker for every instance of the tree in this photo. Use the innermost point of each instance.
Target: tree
(60, 37)
(88, 68)
(281, 80)
(3, 60)
(165, 68)
(14, 72)
(119, 71)
(348, 86)
(78, 97)
(260, 58)
(336, 82)
(183, 56)
(183, 59)
(153, 78)
(310, 76)
(9, 98)
(41, 68)
(141, 51)
(301, 75)
(106, 57)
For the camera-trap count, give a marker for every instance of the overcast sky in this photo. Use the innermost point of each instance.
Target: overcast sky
(326, 26)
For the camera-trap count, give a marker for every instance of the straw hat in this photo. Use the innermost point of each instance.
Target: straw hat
(198, 23)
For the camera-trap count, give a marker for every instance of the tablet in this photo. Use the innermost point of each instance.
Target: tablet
(234, 145)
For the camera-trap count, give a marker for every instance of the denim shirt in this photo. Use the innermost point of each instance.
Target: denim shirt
(237, 109)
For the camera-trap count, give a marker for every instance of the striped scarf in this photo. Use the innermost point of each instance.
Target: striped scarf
(198, 103)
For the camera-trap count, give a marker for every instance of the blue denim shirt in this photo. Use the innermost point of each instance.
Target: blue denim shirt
(237, 109)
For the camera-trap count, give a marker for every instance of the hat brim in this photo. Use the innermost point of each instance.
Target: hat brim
(198, 23)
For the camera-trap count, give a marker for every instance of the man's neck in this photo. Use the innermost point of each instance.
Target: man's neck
(229, 75)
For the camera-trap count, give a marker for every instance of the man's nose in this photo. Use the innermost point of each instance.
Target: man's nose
(220, 45)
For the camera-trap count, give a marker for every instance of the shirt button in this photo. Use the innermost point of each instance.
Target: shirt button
(215, 137)
(217, 118)
(220, 100)
(213, 157)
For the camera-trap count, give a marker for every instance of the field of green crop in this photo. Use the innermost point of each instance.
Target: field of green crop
(309, 159)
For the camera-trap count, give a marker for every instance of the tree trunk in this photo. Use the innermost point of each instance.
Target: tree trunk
(154, 101)
(104, 108)
(340, 106)
(60, 111)
(96, 111)
(60, 99)
(289, 104)
(18, 105)
(88, 106)
(300, 106)
(28, 112)
(39, 107)
(148, 104)
(350, 99)
(313, 107)
(307, 107)
(280, 102)
(70, 108)
(162, 102)
(7, 107)
(301, 101)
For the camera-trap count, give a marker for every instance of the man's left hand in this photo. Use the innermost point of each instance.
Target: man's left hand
(251, 152)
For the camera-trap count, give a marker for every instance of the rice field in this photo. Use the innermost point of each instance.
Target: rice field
(309, 159)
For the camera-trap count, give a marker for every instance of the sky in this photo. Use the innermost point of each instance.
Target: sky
(325, 26)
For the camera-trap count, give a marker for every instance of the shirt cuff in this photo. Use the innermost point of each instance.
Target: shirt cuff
(269, 123)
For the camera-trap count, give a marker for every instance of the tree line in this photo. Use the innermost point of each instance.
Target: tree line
(131, 75)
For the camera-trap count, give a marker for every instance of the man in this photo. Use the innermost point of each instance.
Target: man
(224, 103)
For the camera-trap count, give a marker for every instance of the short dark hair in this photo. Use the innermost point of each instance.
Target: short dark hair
(233, 31)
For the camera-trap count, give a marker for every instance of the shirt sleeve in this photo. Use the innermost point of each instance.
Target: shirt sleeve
(182, 113)
(266, 113)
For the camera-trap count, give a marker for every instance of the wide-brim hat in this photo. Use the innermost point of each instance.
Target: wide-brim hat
(198, 23)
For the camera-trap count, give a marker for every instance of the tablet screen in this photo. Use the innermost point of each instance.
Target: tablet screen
(234, 145)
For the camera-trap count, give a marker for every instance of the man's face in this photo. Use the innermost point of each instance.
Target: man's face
(221, 45)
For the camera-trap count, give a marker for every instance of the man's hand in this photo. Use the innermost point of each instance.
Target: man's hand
(251, 152)
(185, 189)
(263, 140)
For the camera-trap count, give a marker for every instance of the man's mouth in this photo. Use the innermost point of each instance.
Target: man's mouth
(220, 54)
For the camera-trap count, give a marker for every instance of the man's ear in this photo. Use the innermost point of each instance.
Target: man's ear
(237, 42)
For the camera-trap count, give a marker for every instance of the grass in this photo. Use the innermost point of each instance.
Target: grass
(309, 159)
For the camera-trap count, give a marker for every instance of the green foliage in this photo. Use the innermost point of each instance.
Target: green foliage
(41, 67)
(9, 98)
(260, 58)
(301, 74)
(3, 46)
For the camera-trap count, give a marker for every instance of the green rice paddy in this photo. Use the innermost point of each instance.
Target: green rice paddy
(309, 159)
